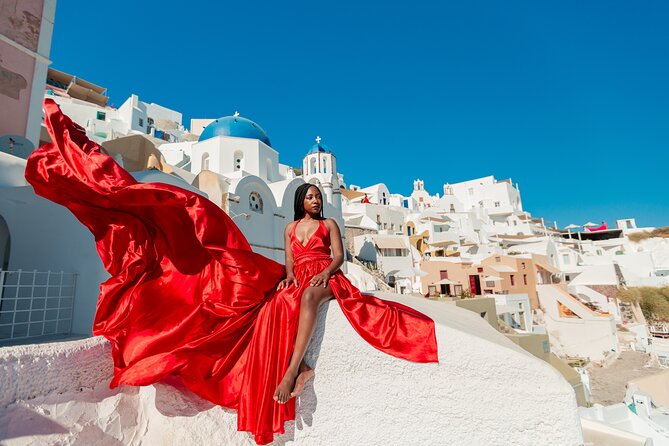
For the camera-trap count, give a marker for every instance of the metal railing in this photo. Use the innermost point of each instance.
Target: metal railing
(35, 303)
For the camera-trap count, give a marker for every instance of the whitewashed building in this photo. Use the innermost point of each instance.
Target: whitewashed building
(87, 105)
(235, 164)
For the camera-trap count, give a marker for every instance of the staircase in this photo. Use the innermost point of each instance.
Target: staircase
(378, 276)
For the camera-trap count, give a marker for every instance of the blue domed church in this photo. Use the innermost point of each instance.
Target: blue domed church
(236, 145)
(234, 163)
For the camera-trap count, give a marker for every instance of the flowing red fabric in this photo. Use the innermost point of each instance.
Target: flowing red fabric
(187, 295)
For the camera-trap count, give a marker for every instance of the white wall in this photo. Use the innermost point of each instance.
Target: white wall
(359, 395)
(46, 236)
(589, 336)
(222, 149)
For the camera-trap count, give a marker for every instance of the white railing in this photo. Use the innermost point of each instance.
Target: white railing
(35, 303)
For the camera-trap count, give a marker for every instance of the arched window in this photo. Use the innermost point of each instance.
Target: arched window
(314, 168)
(205, 161)
(238, 160)
(255, 202)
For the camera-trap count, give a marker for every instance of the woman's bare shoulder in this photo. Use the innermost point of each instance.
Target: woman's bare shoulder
(330, 223)
(289, 226)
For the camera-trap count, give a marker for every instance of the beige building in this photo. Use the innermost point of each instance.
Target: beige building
(497, 274)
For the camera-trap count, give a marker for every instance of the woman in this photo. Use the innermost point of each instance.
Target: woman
(188, 297)
(308, 221)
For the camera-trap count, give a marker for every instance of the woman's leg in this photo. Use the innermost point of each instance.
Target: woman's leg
(312, 298)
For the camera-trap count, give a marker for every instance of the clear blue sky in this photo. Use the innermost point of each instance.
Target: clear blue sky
(570, 99)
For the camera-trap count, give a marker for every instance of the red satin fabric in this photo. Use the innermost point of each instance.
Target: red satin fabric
(187, 295)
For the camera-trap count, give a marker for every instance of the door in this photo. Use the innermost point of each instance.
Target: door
(475, 284)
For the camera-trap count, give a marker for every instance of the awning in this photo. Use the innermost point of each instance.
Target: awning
(447, 282)
(541, 261)
(389, 242)
(351, 194)
(443, 243)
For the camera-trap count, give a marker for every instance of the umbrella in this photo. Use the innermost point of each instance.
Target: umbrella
(570, 227)
(590, 224)
(492, 279)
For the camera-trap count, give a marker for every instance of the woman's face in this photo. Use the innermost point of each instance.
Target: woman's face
(313, 202)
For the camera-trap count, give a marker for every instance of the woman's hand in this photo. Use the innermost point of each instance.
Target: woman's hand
(321, 279)
(285, 283)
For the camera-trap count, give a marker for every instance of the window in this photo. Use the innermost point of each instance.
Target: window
(443, 274)
(479, 270)
(141, 122)
(255, 202)
(515, 222)
(400, 228)
(398, 252)
(498, 259)
(497, 204)
(522, 265)
(452, 208)
(205, 161)
(385, 226)
(392, 226)
(513, 280)
(565, 258)
(524, 279)
(101, 116)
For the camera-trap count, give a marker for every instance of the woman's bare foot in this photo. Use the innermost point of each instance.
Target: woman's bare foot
(304, 375)
(282, 392)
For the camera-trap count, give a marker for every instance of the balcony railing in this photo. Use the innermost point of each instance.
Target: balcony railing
(35, 303)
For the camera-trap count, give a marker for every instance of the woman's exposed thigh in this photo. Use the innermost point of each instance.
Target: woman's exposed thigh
(321, 294)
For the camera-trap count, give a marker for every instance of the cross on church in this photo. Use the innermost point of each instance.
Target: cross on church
(236, 115)
(318, 140)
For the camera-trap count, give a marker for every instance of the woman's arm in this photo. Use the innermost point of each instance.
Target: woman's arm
(290, 276)
(321, 279)
(336, 244)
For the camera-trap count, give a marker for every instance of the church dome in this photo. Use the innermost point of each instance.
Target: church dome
(235, 126)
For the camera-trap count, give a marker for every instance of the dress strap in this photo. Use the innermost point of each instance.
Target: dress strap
(292, 231)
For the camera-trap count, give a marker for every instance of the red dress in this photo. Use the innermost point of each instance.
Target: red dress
(187, 295)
